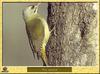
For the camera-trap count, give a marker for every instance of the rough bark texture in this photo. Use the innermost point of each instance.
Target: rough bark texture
(73, 42)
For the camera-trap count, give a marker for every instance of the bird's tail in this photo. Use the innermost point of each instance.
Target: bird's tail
(44, 64)
(44, 57)
(38, 56)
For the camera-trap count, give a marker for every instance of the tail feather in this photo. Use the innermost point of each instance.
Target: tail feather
(44, 64)
(39, 56)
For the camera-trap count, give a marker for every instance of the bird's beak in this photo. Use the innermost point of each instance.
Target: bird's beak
(38, 4)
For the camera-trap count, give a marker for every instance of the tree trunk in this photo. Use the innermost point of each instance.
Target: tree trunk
(74, 39)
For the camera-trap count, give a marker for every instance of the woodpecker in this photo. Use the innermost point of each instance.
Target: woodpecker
(37, 31)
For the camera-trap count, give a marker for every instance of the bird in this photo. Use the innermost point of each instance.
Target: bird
(37, 30)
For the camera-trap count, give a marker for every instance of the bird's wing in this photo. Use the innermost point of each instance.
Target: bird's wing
(30, 41)
(35, 32)
(38, 30)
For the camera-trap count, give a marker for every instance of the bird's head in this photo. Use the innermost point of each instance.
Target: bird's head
(30, 11)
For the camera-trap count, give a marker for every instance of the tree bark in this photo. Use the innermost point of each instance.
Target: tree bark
(74, 39)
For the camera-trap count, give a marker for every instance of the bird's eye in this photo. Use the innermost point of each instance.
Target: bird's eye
(32, 7)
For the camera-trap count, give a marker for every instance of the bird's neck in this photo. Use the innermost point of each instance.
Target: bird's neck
(30, 17)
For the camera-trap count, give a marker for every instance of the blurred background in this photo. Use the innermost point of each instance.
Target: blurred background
(16, 48)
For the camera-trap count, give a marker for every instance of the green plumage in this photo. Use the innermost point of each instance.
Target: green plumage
(37, 31)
